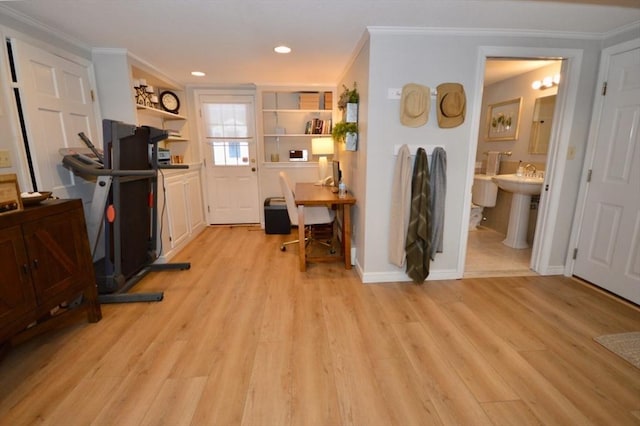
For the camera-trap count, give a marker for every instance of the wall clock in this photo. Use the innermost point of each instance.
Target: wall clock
(169, 102)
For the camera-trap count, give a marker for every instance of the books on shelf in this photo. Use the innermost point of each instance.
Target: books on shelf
(318, 127)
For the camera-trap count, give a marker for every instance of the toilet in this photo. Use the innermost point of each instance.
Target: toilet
(483, 194)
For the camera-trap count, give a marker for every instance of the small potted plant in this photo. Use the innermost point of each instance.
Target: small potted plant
(346, 133)
(348, 96)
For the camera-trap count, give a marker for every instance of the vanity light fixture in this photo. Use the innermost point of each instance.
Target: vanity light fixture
(282, 49)
(546, 83)
(197, 73)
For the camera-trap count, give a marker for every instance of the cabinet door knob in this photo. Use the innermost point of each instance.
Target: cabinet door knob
(35, 263)
(25, 268)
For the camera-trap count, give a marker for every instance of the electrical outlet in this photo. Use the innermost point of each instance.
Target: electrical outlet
(5, 158)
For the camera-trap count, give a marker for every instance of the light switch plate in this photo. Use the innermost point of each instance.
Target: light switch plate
(5, 158)
(394, 93)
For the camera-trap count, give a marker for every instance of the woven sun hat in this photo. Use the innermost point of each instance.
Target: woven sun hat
(415, 102)
(452, 105)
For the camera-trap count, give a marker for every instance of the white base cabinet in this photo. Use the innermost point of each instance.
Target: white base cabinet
(183, 216)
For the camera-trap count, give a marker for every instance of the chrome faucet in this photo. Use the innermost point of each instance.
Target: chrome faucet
(529, 169)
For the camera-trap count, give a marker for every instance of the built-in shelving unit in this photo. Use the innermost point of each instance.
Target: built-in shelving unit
(291, 118)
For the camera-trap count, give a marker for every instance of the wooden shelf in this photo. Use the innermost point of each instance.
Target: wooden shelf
(160, 113)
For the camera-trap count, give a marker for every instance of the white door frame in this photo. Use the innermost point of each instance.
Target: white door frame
(605, 59)
(239, 91)
(558, 146)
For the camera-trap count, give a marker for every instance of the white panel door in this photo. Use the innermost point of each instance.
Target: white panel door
(56, 101)
(609, 245)
(228, 129)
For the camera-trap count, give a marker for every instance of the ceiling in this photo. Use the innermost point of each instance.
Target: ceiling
(232, 40)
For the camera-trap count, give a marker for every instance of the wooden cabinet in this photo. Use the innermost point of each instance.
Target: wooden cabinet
(46, 263)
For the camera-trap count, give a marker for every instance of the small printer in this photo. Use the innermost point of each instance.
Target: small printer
(164, 155)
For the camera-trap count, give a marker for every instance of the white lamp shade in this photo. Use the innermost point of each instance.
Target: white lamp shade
(322, 146)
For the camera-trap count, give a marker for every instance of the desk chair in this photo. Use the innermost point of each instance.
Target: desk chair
(313, 215)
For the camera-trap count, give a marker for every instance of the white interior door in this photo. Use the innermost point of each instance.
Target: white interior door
(228, 129)
(57, 104)
(609, 245)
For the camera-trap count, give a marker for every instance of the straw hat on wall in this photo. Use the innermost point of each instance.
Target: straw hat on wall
(415, 103)
(451, 105)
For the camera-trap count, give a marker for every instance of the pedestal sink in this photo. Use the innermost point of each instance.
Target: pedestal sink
(522, 188)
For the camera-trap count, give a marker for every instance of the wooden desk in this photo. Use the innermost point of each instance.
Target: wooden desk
(309, 194)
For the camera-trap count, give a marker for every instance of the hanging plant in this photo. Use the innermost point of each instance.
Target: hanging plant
(341, 129)
(348, 96)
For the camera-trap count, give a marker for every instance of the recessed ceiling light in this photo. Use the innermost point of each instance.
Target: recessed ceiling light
(197, 73)
(282, 49)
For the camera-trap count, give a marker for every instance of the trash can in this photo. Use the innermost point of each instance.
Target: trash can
(276, 218)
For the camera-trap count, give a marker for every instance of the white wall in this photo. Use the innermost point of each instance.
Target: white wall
(429, 57)
(354, 163)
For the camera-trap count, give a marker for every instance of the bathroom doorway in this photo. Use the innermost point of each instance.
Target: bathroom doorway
(518, 104)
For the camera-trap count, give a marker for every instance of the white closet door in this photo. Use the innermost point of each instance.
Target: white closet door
(609, 245)
(56, 101)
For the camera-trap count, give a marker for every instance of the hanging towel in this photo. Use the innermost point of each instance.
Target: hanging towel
(400, 206)
(419, 232)
(493, 163)
(438, 181)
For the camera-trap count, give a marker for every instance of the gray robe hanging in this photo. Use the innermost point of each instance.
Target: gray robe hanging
(438, 181)
(418, 245)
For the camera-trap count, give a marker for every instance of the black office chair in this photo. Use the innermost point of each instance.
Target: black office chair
(313, 215)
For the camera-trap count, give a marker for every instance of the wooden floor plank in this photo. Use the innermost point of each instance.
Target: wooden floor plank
(243, 337)
(548, 403)
(477, 374)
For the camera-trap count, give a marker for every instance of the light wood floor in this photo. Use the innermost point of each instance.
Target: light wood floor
(243, 338)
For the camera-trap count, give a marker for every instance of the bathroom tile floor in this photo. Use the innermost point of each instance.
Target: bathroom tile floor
(488, 257)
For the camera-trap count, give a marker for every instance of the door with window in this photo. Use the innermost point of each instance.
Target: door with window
(229, 147)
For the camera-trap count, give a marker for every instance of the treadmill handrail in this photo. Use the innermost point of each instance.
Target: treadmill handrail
(81, 167)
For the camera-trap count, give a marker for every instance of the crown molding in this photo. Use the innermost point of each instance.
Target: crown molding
(39, 26)
(497, 32)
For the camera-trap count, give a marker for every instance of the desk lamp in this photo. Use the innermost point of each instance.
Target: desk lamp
(322, 147)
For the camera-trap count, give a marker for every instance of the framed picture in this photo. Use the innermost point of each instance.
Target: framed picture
(503, 120)
(10, 200)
